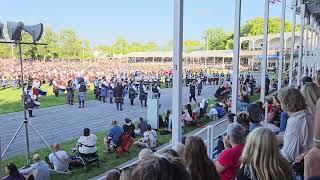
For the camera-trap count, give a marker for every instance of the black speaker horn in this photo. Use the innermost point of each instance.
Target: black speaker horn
(35, 31)
(14, 30)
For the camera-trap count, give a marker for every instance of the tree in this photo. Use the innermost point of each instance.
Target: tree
(191, 45)
(216, 38)
(151, 46)
(69, 45)
(51, 50)
(136, 47)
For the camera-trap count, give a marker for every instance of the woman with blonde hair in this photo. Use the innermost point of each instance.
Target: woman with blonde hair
(261, 158)
(198, 164)
(311, 93)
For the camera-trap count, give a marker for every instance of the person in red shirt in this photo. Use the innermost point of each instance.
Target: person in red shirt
(228, 163)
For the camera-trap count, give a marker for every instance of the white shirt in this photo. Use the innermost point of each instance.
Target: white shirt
(60, 164)
(298, 137)
(85, 141)
(152, 137)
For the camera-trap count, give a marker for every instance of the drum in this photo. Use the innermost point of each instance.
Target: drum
(42, 92)
(36, 91)
(62, 89)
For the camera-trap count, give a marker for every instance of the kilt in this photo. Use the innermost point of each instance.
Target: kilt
(82, 96)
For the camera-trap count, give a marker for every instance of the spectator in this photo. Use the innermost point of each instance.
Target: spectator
(39, 169)
(244, 120)
(298, 136)
(145, 154)
(60, 159)
(199, 165)
(312, 159)
(171, 153)
(186, 117)
(254, 116)
(261, 158)
(213, 113)
(197, 109)
(219, 110)
(112, 140)
(142, 126)
(113, 174)
(317, 80)
(13, 173)
(228, 162)
(311, 93)
(128, 128)
(86, 144)
(150, 139)
(160, 168)
(306, 80)
(231, 118)
(179, 148)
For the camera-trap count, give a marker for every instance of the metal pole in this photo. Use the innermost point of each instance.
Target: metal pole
(236, 56)
(177, 71)
(12, 139)
(265, 51)
(302, 26)
(283, 18)
(305, 58)
(24, 109)
(310, 60)
(293, 37)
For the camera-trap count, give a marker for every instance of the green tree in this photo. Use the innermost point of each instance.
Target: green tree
(51, 50)
(136, 47)
(151, 46)
(191, 45)
(69, 45)
(216, 38)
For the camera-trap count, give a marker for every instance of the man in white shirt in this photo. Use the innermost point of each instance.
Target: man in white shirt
(59, 159)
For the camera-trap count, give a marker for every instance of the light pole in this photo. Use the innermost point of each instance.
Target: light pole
(283, 18)
(293, 37)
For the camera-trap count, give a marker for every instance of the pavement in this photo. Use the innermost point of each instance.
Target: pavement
(61, 123)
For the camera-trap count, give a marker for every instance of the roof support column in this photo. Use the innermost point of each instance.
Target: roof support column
(293, 35)
(177, 71)
(283, 18)
(302, 26)
(265, 51)
(236, 56)
(306, 56)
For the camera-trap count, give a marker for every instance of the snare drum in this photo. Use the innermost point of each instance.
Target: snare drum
(36, 104)
(42, 92)
(62, 89)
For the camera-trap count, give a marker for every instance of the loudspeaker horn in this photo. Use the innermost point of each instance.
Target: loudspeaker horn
(35, 31)
(14, 30)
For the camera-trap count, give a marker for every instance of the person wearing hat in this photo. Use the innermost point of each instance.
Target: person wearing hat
(128, 128)
(112, 139)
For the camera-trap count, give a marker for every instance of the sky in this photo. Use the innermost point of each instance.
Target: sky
(102, 21)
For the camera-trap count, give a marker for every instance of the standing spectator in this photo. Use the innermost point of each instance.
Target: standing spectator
(261, 158)
(192, 92)
(267, 85)
(198, 164)
(298, 136)
(13, 173)
(128, 128)
(228, 163)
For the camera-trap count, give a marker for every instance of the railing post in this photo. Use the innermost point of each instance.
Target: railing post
(302, 26)
(293, 37)
(265, 51)
(266, 114)
(280, 69)
(209, 141)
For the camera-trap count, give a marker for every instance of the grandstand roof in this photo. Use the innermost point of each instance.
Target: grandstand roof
(213, 53)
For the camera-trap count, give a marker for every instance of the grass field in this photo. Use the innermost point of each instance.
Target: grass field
(107, 161)
(10, 100)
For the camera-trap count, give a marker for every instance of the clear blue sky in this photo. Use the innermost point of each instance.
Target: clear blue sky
(101, 21)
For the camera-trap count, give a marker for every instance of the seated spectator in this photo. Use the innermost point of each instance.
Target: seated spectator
(60, 159)
(254, 116)
(197, 110)
(159, 168)
(113, 174)
(219, 110)
(243, 101)
(170, 153)
(213, 113)
(196, 159)
(244, 120)
(142, 126)
(162, 124)
(186, 116)
(261, 158)
(312, 159)
(306, 80)
(317, 79)
(283, 121)
(112, 140)
(128, 128)
(13, 173)
(228, 162)
(179, 148)
(231, 118)
(86, 144)
(39, 170)
(150, 139)
(311, 93)
(145, 154)
(298, 136)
